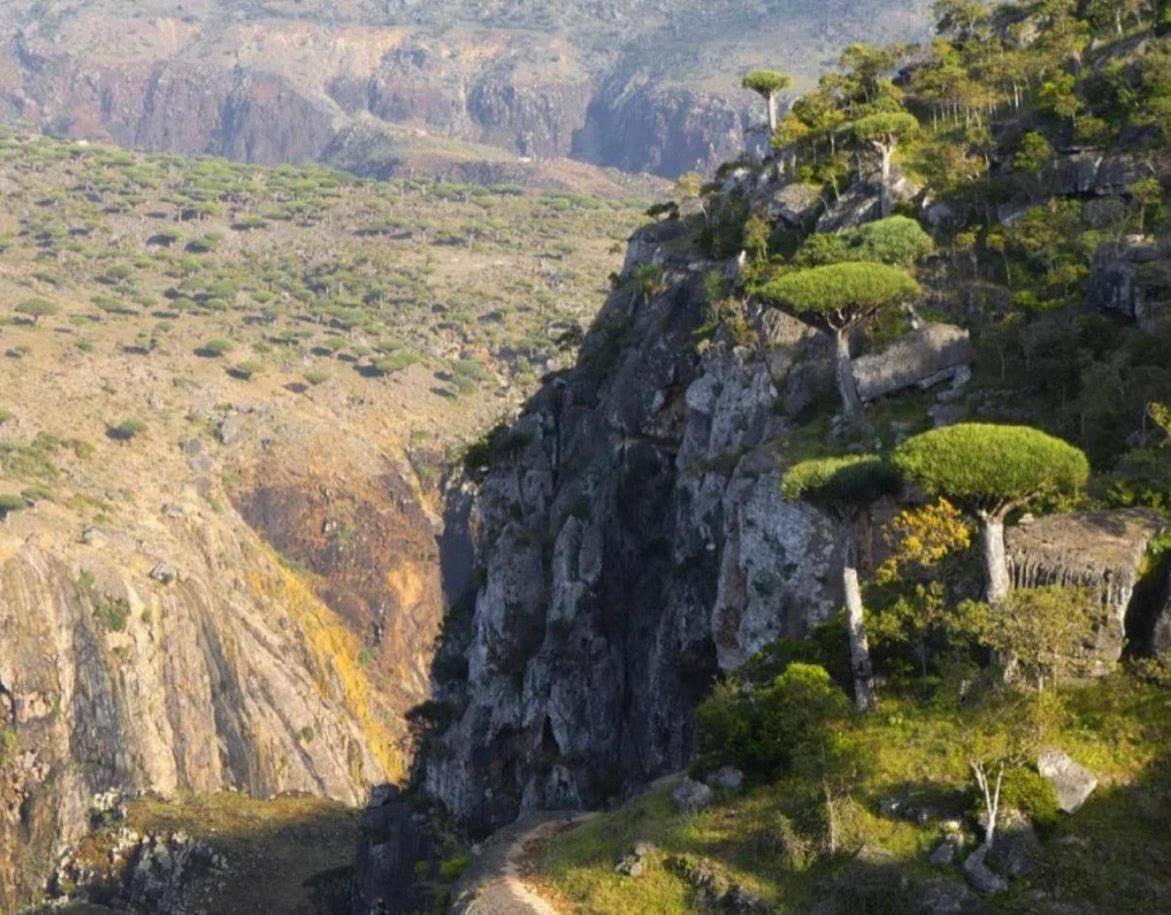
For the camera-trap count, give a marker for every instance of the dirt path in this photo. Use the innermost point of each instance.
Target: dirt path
(493, 884)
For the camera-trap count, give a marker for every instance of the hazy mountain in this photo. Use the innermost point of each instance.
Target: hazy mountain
(644, 86)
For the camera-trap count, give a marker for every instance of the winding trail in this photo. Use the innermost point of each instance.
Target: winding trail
(492, 884)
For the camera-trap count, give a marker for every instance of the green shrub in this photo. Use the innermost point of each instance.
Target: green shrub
(316, 377)
(35, 309)
(35, 494)
(1025, 790)
(849, 479)
(727, 727)
(758, 729)
(11, 503)
(246, 370)
(205, 244)
(453, 868)
(838, 288)
(984, 466)
(127, 430)
(216, 348)
(395, 362)
(112, 615)
(898, 241)
(5, 416)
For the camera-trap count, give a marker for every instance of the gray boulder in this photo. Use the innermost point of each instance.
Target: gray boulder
(729, 778)
(1161, 628)
(1017, 849)
(163, 573)
(979, 877)
(1126, 279)
(1073, 782)
(922, 358)
(1117, 173)
(941, 896)
(231, 429)
(691, 796)
(794, 204)
(1104, 552)
(635, 863)
(1072, 175)
(713, 890)
(631, 866)
(858, 205)
(939, 215)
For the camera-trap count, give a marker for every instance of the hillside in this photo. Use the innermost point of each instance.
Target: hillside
(837, 365)
(631, 85)
(229, 396)
(814, 558)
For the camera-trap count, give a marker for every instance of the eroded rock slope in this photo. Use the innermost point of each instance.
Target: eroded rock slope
(638, 87)
(633, 542)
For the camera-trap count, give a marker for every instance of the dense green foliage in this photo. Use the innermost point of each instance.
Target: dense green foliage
(990, 467)
(856, 479)
(897, 241)
(884, 127)
(1043, 630)
(1027, 148)
(767, 82)
(840, 294)
(765, 731)
(772, 838)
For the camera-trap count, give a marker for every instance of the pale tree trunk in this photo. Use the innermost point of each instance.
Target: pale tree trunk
(831, 816)
(772, 115)
(860, 666)
(995, 558)
(991, 796)
(844, 371)
(887, 157)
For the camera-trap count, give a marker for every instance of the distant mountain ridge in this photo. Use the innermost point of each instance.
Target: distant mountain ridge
(633, 84)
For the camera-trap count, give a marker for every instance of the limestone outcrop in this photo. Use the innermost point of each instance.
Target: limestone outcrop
(234, 676)
(1103, 552)
(632, 542)
(923, 358)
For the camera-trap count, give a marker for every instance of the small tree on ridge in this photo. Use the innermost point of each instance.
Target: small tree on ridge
(990, 471)
(835, 299)
(768, 84)
(846, 487)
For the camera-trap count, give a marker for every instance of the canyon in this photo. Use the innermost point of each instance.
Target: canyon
(419, 88)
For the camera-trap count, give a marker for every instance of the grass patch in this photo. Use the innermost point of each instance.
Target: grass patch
(279, 852)
(766, 838)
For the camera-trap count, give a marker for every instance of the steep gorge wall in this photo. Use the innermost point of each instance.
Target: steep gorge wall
(288, 92)
(633, 541)
(122, 673)
(176, 643)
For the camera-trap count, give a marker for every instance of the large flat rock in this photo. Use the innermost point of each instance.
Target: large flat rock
(1104, 552)
(922, 358)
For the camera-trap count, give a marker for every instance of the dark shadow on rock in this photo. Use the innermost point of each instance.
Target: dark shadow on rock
(396, 854)
(234, 863)
(1114, 853)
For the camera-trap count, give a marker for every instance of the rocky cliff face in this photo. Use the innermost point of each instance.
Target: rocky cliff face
(249, 604)
(120, 672)
(283, 94)
(639, 126)
(633, 542)
(637, 90)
